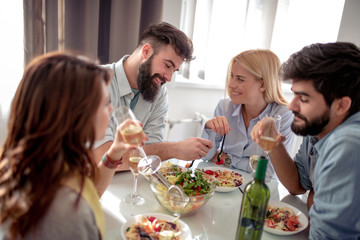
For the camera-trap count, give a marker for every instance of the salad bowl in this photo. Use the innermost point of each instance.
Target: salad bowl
(198, 186)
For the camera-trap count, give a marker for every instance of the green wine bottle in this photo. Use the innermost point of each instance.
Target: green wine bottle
(254, 203)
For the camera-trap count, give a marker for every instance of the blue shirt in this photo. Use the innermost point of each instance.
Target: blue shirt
(151, 114)
(238, 143)
(335, 213)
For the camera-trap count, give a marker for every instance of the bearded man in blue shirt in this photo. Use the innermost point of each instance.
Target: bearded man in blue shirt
(139, 82)
(326, 106)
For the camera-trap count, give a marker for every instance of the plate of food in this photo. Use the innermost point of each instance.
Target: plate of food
(284, 219)
(227, 179)
(155, 226)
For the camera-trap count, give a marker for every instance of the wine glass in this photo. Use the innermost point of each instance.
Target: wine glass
(270, 131)
(253, 160)
(134, 198)
(132, 133)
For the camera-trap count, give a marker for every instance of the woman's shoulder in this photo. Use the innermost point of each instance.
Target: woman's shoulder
(67, 220)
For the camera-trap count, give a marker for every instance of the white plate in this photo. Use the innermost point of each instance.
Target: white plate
(223, 189)
(301, 217)
(185, 230)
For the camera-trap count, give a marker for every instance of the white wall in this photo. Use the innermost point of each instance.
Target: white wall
(349, 27)
(185, 102)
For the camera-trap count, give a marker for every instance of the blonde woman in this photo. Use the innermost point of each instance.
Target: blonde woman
(254, 90)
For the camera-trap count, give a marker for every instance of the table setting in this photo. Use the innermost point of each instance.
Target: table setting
(198, 200)
(216, 219)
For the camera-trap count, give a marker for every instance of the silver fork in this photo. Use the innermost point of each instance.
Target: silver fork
(221, 149)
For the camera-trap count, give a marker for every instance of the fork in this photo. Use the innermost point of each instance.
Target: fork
(221, 150)
(218, 156)
(192, 162)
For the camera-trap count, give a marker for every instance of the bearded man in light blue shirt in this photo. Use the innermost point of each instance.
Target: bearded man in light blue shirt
(139, 82)
(326, 106)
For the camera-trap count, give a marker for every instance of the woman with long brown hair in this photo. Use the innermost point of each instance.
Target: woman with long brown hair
(47, 171)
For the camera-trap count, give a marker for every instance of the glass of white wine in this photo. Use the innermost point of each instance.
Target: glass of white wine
(271, 126)
(134, 198)
(253, 164)
(132, 133)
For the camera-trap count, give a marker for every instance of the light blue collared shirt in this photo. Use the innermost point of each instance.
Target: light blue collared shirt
(238, 143)
(151, 114)
(335, 213)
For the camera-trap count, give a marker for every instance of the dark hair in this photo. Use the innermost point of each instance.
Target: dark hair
(162, 34)
(333, 68)
(50, 135)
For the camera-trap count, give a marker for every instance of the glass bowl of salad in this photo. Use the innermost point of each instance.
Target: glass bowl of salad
(198, 186)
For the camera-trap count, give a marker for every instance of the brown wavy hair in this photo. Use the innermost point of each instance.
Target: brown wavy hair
(162, 34)
(50, 135)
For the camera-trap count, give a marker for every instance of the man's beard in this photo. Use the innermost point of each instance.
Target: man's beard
(147, 86)
(313, 127)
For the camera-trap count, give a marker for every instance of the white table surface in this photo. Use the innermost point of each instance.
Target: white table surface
(216, 220)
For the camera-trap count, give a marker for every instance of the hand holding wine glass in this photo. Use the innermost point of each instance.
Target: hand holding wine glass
(132, 133)
(270, 126)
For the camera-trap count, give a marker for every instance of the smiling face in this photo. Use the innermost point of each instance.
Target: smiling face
(156, 71)
(244, 87)
(311, 113)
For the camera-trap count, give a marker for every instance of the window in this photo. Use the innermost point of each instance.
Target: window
(12, 57)
(12, 50)
(221, 29)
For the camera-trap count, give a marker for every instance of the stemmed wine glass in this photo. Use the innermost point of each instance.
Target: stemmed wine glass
(132, 133)
(270, 131)
(253, 163)
(134, 198)
(267, 140)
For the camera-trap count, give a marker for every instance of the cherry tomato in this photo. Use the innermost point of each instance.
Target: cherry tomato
(209, 172)
(151, 219)
(220, 162)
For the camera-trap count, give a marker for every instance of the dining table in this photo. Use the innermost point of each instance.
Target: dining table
(216, 220)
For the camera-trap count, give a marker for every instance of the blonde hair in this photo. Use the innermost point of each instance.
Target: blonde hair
(264, 65)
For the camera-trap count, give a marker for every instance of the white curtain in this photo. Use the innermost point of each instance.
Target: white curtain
(12, 57)
(222, 29)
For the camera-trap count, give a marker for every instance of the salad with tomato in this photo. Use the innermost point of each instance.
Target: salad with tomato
(153, 228)
(192, 183)
(281, 219)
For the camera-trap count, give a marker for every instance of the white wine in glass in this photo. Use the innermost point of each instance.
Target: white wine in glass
(134, 161)
(134, 198)
(270, 131)
(267, 143)
(132, 133)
